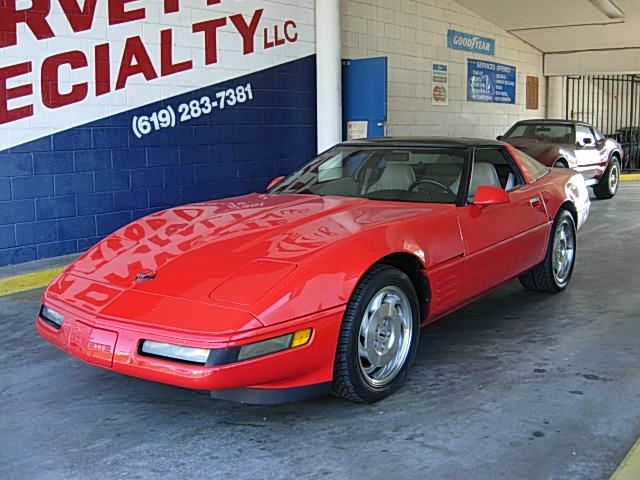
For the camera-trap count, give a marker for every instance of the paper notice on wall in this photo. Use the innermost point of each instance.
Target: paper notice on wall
(440, 84)
(357, 129)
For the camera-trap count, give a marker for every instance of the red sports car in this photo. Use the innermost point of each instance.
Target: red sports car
(323, 283)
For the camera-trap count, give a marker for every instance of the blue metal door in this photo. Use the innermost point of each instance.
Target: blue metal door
(364, 94)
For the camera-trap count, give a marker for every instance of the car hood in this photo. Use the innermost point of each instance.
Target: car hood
(229, 252)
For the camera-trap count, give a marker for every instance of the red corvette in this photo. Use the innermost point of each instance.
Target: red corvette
(323, 283)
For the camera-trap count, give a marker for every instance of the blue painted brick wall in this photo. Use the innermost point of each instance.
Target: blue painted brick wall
(62, 193)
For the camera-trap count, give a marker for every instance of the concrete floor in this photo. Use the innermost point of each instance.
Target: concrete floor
(516, 386)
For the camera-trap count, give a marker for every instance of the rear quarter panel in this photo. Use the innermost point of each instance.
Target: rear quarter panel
(557, 152)
(565, 187)
(558, 187)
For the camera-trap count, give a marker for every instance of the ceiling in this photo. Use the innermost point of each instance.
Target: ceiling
(554, 26)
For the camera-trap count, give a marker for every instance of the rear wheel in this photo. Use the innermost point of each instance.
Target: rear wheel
(379, 336)
(561, 163)
(554, 273)
(610, 181)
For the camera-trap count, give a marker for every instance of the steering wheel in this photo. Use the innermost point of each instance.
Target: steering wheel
(444, 187)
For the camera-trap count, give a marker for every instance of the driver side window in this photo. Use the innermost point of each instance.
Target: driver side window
(583, 133)
(491, 167)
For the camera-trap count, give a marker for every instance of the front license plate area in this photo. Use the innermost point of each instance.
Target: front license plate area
(92, 344)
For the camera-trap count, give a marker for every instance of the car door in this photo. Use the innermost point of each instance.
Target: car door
(603, 152)
(501, 241)
(588, 152)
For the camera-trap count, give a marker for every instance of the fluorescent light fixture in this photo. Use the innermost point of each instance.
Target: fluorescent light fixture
(175, 352)
(609, 8)
(53, 318)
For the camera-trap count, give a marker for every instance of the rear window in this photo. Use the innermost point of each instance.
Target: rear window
(552, 132)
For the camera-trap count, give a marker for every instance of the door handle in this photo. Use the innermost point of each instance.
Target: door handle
(535, 202)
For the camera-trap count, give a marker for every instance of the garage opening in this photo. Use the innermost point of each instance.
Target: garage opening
(612, 104)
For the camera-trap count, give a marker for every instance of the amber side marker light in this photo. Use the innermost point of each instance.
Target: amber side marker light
(301, 337)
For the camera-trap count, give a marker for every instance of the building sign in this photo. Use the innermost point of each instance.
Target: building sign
(439, 84)
(68, 63)
(490, 82)
(470, 43)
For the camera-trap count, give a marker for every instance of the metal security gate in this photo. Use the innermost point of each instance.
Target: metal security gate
(611, 103)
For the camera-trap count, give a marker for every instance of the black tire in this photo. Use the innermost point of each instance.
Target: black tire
(349, 381)
(610, 181)
(542, 278)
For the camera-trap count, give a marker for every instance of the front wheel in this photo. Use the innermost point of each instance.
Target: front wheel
(554, 273)
(610, 181)
(379, 336)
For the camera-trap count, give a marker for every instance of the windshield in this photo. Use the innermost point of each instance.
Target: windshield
(398, 174)
(551, 132)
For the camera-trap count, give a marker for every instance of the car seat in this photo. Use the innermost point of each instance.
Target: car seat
(396, 176)
(484, 173)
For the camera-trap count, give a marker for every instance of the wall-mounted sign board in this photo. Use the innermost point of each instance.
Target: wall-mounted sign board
(440, 84)
(470, 42)
(490, 82)
(532, 92)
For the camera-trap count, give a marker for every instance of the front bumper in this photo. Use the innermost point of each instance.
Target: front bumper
(115, 345)
(583, 215)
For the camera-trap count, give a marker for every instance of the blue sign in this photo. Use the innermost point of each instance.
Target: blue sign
(490, 82)
(471, 43)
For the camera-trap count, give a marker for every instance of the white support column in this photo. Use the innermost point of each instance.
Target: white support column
(329, 73)
(555, 97)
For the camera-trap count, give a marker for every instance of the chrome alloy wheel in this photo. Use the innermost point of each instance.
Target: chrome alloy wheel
(564, 250)
(614, 178)
(385, 336)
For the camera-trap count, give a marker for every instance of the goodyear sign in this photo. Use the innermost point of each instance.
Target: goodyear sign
(471, 43)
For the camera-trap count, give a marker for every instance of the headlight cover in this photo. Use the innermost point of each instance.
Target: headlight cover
(225, 356)
(274, 345)
(175, 352)
(50, 316)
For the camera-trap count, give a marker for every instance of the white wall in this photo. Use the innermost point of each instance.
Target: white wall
(589, 62)
(412, 34)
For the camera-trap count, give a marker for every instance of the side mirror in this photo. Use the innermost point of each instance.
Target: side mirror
(488, 195)
(499, 137)
(274, 182)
